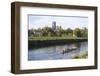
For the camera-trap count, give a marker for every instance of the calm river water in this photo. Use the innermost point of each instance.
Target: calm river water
(57, 52)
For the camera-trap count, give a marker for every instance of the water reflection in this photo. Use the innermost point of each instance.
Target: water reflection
(57, 52)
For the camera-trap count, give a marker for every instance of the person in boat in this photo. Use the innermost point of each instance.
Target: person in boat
(66, 50)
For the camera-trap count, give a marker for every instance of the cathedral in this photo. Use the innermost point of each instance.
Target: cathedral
(54, 25)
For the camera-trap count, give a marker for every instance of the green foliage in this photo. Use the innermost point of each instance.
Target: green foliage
(58, 32)
(51, 38)
(84, 32)
(81, 32)
(50, 34)
(77, 32)
(69, 31)
(83, 55)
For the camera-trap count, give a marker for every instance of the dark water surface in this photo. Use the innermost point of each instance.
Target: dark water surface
(57, 52)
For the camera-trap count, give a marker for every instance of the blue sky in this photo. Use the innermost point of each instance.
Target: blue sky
(72, 22)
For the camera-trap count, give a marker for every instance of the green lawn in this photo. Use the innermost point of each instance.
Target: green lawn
(52, 38)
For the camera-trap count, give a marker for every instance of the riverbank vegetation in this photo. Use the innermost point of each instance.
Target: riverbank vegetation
(54, 38)
(81, 56)
(48, 33)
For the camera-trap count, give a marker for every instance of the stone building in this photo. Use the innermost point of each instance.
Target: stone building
(54, 25)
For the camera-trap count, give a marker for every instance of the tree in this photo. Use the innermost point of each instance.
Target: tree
(69, 32)
(50, 34)
(84, 32)
(45, 31)
(77, 32)
(30, 32)
(58, 31)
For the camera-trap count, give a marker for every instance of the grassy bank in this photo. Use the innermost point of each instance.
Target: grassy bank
(81, 56)
(54, 38)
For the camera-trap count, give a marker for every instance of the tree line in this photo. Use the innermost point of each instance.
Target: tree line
(58, 32)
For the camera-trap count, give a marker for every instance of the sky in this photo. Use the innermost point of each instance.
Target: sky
(40, 21)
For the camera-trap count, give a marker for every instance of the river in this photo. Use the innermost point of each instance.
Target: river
(57, 52)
